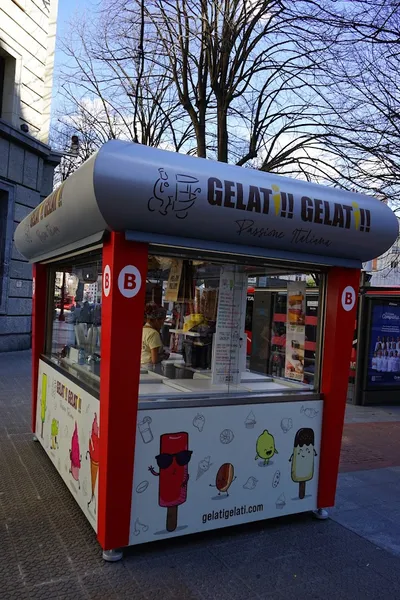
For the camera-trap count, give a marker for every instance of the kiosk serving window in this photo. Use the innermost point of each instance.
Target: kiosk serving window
(74, 318)
(212, 329)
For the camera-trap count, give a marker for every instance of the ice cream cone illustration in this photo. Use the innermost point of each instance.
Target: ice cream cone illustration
(203, 466)
(75, 456)
(93, 452)
(173, 462)
(43, 402)
(302, 459)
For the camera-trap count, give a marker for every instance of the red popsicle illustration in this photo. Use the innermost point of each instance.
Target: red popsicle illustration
(173, 463)
(75, 455)
(94, 451)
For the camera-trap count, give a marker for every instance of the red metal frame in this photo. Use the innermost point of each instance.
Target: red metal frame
(337, 340)
(121, 336)
(39, 305)
(122, 321)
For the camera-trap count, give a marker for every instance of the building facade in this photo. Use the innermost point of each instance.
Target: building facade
(27, 44)
(385, 270)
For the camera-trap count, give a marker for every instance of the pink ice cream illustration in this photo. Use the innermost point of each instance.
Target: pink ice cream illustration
(94, 452)
(75, 455)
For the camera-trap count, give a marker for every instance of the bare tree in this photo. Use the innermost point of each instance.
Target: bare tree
(243, 77)
(362, 87)
(233, 80)
(112, 90)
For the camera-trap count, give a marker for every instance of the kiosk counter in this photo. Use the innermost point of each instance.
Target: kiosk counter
(216, 433)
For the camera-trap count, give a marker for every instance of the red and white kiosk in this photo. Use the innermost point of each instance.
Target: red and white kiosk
(202, 442)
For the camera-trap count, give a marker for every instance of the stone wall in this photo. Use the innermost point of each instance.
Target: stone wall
(26, 177)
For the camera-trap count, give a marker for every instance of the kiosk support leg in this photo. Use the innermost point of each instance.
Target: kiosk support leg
(124, 294)
(340, 311)
(112, 555)
(321, 513)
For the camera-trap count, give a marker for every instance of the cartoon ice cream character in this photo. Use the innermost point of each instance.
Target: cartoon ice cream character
(75, 455)
(173, 194)
(94, 452)
(199, 421)
(286, 425)
(161, 198)
(224, 479)
(302, 459)
(54, 434)
(173, 463)
(43, 402)
(265, 447)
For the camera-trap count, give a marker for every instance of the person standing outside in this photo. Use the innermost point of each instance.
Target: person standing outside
(152, 347)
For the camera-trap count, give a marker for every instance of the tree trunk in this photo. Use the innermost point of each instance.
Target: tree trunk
(201, 139)
(222, 153)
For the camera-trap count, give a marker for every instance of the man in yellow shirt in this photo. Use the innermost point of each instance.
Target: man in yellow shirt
(152, 346)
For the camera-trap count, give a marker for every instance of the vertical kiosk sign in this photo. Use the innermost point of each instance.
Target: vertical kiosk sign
(229, 338)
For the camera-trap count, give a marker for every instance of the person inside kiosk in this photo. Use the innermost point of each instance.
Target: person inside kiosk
(153, 352)
(194, 344)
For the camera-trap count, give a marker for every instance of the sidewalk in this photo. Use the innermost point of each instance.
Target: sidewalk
(48, 551)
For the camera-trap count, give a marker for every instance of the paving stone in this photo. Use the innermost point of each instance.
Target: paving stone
(49, 551)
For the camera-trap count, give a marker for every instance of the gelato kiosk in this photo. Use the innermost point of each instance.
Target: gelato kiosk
(213, 434)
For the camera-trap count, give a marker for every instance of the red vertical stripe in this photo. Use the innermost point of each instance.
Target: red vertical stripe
(338, 338)
(121, 333)
(39, 293)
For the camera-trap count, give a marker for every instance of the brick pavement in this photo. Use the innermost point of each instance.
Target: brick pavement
(49, 551)
(370, 446)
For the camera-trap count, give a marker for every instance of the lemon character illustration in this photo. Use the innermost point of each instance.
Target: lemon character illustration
(265, 446)
(276, 198)
(357, 214)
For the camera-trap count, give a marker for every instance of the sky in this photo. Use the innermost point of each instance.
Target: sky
(66, 10)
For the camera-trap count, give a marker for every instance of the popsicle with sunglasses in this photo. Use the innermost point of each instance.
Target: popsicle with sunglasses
(173, 462)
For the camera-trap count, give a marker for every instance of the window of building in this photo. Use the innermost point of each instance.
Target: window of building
(2, 71)
(7, 85)
(6, 228)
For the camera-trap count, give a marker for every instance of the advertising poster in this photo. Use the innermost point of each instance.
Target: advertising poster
(230, 339)
(295, 330)
(174, 280)
(67, 426)
(198, 469)
(384, 350)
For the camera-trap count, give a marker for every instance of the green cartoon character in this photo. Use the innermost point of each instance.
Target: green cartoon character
(265, 447)
(54, 434)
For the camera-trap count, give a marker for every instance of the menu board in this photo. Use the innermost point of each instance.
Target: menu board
(295, 330)
(229, 337)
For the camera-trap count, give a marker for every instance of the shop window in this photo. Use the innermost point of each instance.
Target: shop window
(74, 319)
(228, 329)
